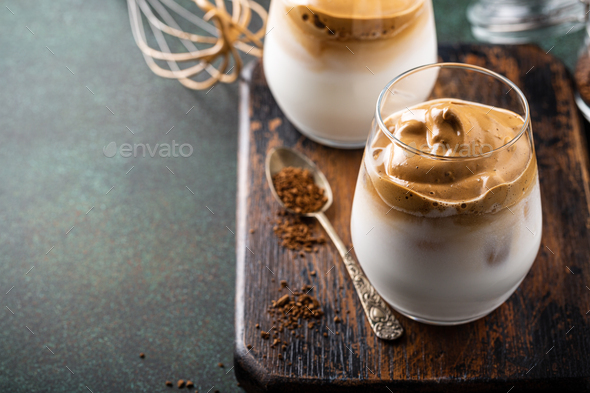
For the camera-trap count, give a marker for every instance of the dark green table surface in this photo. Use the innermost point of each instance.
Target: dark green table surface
(150, 268)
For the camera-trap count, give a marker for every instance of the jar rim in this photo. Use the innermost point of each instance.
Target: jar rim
(451, 65)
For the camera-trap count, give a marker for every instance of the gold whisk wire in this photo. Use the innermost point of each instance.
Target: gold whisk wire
(229, 34)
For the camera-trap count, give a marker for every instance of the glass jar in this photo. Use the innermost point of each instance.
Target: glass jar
(446, 219)
(326, 61)
(521, 21)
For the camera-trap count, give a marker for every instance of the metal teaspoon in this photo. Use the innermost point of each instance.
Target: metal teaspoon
(383, 322)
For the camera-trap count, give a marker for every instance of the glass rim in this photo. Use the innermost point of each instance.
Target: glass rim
(464, 66)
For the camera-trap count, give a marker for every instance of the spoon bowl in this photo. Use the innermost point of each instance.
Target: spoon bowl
(281, 157)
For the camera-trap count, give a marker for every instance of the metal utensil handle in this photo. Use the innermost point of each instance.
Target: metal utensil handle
(384, 323)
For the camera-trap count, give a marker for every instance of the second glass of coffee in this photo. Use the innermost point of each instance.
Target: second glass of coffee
(326, 61)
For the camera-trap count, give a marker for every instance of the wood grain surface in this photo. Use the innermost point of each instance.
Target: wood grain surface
(537, 341)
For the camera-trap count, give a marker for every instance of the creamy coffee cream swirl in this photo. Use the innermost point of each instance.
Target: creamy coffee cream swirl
(486, 180)
(352, 19)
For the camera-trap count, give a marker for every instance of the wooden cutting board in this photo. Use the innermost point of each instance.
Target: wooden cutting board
(539, 340)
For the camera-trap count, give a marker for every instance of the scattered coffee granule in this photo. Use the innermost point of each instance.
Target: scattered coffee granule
(255, 125)
(296, 234)
(257, 326)
(189, 384)
(180, 383)
(252, 230)
(290, 309)
(169, 384)
(298, 191)
(249, 346)
(274, 123)
(142, 355)
(220, 365)
(313, 273)
(283, 300)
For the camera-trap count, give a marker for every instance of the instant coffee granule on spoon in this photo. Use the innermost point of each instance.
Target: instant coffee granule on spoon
(298, 191)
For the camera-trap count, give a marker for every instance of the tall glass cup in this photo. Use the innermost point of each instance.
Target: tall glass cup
(325, 61)
(447, 229)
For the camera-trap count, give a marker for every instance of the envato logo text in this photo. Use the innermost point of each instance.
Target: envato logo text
(459, 150)
(127, 150)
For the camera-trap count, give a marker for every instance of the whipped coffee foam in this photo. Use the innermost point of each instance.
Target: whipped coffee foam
(474, 173)
(353, 19)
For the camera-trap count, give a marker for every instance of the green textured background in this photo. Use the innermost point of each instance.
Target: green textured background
(150, 268)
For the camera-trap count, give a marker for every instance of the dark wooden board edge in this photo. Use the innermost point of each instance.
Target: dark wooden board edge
(253, 376)
(247, 369)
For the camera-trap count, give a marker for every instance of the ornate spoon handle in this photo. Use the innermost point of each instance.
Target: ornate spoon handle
(384, 323)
